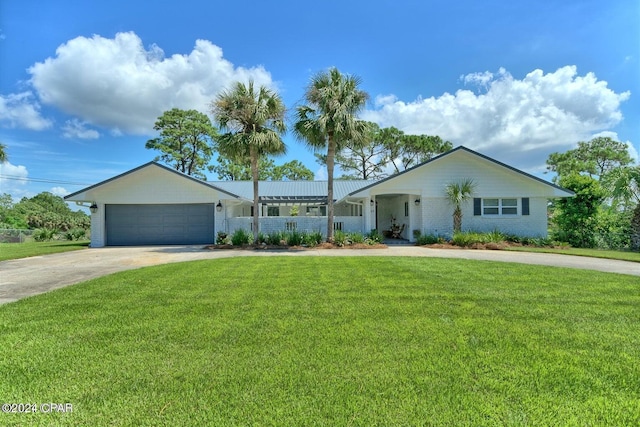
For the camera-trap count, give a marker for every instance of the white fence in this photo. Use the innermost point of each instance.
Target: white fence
(272, 224)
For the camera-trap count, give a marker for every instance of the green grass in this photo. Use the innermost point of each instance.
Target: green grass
(24, 250)
(324, 341)
(596, 253)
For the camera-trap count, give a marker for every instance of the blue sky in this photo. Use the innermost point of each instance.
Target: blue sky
(81, 83)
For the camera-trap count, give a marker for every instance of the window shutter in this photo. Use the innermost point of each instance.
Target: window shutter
(525, 206)
(477, 206)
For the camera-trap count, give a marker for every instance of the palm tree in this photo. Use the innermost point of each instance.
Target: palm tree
(254, 121)
(3, 153)
(329, 121)
(624, 185)
(457, 194)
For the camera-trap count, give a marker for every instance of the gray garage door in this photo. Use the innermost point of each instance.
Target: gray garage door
(129, 225)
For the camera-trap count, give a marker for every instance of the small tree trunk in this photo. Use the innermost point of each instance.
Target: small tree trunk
(331, 152)
(457, 220)
(256, 193)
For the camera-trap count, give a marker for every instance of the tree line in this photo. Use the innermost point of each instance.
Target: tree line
(188, 142)
(43, 211)
(605, 211)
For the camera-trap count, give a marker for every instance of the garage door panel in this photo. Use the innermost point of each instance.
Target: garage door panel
(178, 219)
(159, 224)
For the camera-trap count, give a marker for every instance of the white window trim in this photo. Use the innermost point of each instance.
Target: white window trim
(518, 207)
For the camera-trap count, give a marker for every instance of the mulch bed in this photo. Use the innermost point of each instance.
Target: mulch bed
(486, 246)
(491, 246)
(323, 245)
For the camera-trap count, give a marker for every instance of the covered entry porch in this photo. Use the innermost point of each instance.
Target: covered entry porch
(397, 216)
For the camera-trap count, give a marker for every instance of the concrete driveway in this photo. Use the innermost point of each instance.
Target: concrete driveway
(31, 276)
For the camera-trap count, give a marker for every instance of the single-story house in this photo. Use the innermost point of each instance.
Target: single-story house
(154, 204)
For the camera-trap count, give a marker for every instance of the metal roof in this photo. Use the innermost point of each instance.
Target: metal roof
(292, 191)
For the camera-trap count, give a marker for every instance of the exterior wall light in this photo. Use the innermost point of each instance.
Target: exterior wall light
(417, 202)
(219, 206)
(93, 208)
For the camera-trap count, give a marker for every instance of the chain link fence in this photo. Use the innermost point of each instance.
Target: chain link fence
(12, 235)
(8, 235)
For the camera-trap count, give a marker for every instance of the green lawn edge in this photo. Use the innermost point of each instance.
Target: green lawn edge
(593, 253)
(9, 251)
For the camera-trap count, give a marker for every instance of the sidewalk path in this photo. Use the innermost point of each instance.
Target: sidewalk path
(31, 276)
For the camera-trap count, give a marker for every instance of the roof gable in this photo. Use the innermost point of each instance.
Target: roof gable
(140, 168)
(466, 150)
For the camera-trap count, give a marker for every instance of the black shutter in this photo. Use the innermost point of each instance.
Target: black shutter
(525, 206)
(477, 206)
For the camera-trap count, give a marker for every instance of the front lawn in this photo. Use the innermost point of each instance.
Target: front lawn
(596, 253)
(28, 249)
(360, 341)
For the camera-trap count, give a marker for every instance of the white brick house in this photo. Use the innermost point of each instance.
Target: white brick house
(154, 204)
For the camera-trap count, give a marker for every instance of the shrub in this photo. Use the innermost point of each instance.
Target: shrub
(544, 242)
(75, 234)
(241, 237)
(428, 239)
(263, 238)
(313, 239)
(355, 238)
(340, 238)
(374, 237)
(513, 238)
(467, 238)
(222, 238)
(44, 234)
(576, 217)
(295, 238)
(494, 236)
(275, 238)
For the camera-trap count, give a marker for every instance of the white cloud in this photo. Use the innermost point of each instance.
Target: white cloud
(118, 84)
(13, 180)
(74, 128)
(59, 191)
(516, 121)
(22, 110)
(480, 79)
(321, 174)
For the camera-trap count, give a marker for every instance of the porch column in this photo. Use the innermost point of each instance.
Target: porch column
(368, 211)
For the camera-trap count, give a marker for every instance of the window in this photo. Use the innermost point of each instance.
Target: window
(500, 207)
(273, 210)
(317, 210)
(509, 206)
(406, 208)
(356, 210)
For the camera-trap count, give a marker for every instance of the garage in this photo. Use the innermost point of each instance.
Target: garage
(149, 224)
